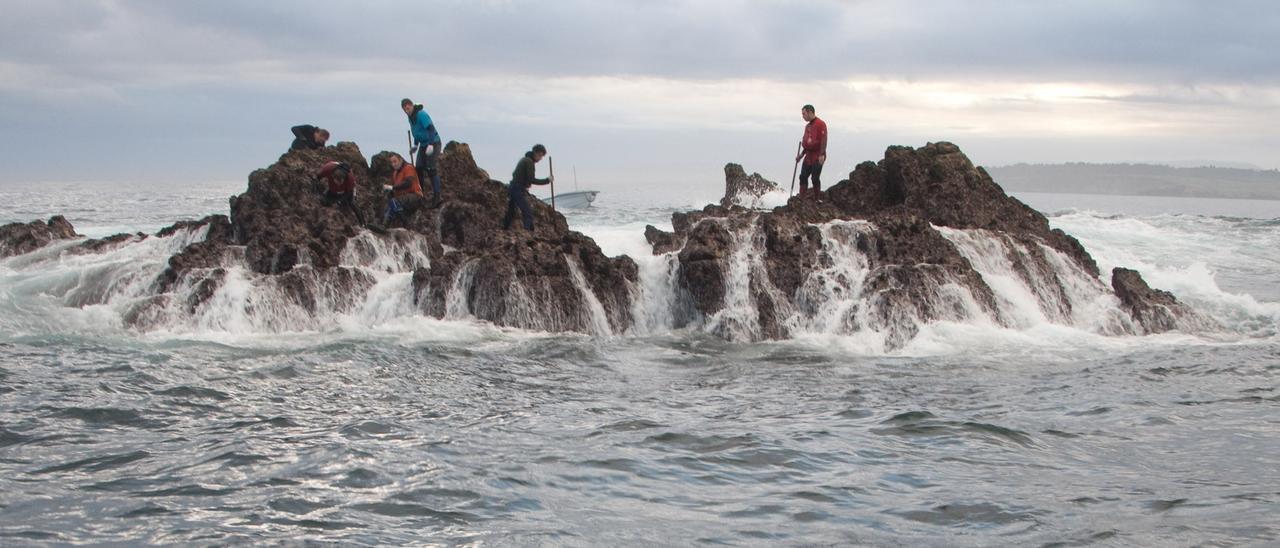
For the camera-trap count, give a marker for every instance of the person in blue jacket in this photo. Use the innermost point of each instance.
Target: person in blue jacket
(426, 143)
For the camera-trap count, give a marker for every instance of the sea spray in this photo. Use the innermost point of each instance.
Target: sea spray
(373, 286)
(397, 251)
(738, 317)
(457, 304)
(658, 302)
(593, 315)
(828, 302)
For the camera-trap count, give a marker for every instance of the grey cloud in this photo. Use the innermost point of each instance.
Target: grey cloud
(1165, 41)
(167, 79)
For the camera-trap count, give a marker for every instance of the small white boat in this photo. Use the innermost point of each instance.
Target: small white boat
(576, 199)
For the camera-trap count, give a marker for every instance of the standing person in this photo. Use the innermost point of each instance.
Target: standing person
(341, 187)
(814, 153)
(518, 191)
(406, 194)
(426, 141)
(308, 137)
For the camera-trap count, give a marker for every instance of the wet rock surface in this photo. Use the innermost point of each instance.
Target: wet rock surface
(529, 279)
(1156, 311)
(280, 219)
(881, 251)
(21, 238)
(899, 206)
(532, 279)
(742, 189)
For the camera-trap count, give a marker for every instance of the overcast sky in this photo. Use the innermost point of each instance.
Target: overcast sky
(645, 92)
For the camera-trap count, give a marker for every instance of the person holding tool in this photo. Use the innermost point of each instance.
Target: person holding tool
(426, 146)
(813, 152)
(518, 191)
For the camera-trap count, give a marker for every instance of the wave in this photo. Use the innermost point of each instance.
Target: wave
(114, 291)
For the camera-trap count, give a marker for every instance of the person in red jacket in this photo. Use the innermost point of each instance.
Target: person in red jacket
(341, 187)
(814, 152)
(406, 192)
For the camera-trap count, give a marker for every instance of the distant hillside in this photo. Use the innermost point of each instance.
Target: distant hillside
(1140, 180)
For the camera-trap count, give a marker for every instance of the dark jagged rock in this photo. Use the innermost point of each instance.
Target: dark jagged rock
(219, 228)
(515, 278)
(1155, 310)
(759, 273)
(661, 240)
(99, 245)
(901, 199)
(21, 238)
(205, 256)
(940, 183)
(744, 190)
(280, 220)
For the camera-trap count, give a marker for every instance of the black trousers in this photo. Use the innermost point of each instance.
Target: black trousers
(426, 167)
(347, 199)
(518, 199)
(806, 171)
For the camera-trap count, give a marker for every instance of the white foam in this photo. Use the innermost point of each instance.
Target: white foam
(595, 316)
(59, 290)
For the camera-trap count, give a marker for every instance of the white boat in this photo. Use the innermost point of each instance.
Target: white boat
(576, 199)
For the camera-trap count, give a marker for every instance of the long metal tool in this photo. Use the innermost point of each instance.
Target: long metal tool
(552, 166)
(793, 172)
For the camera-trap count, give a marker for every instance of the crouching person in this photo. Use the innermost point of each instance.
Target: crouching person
(340, 187)
(406, 193)
(308, 137)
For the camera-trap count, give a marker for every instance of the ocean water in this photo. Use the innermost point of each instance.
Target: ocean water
(374, 425)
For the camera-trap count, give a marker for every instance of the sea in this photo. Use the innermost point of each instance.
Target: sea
(378, 426)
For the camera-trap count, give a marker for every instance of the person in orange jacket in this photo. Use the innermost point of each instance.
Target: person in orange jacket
(814, 152)
(406, 192)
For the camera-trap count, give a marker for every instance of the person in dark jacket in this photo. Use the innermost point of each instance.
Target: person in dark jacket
(406, 194)
(814, 154)
(307, 137)
(518, 191)
(426, 143)
(341, 187)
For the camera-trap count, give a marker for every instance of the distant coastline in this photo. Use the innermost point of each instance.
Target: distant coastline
(1140, 180)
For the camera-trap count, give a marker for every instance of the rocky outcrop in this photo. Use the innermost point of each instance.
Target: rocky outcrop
(893, 215)
(100, 245)
(206, 257)
(280, 219)
(900, 244)
(21, 238)
(550, 278)
(744, 190)
(1156, 311)
(940, 183)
